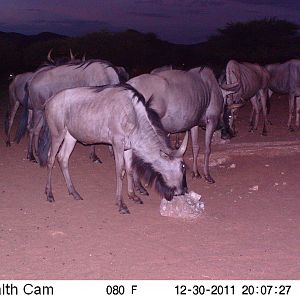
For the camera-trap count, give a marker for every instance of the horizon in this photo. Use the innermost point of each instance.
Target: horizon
(180, 22)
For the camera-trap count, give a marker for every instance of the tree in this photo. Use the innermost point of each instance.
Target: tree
(262, 41)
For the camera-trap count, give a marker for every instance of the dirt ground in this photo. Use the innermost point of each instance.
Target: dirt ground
(250, 228)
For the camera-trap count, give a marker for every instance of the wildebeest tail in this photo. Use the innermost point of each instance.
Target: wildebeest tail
(24, 117)
(44, 144)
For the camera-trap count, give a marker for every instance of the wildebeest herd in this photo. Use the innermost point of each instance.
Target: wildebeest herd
(93, 101)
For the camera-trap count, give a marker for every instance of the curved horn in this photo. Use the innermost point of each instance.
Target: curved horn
(49, 56)
(230, 86)
(72, 57)
(181, 150)
(235, 105)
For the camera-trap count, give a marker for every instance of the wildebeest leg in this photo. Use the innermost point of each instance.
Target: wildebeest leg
(36, 133)
(93, 155)
(63, 158)
(111, 151)
(255, 107)
(298, 111)
(11, 120)
(291, 111)
(56, 140)
(263, 99)
(129, 172)
(177, 145)
(30, 128)
(211, 125)
(195, 148)
(251, 121)
(119, 160)
(138, 185)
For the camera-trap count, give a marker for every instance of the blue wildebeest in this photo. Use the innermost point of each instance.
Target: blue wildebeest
(48, 83)
(253, 81)
(17, 90)
(116, 115)
(285, 79)
(185, 100)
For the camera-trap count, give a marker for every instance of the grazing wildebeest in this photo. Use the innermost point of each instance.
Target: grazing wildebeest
(285, 79)
(116, 115)
(48, 83)
(185, 100)
(253, 81)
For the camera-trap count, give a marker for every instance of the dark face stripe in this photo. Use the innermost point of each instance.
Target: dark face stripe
(149, 175)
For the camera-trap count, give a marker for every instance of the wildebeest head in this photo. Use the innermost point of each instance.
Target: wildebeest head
(174, 171)
(228, 130)
(233, 102)
(167, 172)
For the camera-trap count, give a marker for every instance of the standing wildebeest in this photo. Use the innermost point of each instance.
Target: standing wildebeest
(16, 94)
(253, 83)
(17, 90)
(116, 115)
(50, 82)
(185, 100)
(285, 79)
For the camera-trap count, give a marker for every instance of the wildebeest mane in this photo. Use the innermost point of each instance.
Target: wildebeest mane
(151, 113)
(150, 175)
(155, 120)
(107, 64)
(100, 88)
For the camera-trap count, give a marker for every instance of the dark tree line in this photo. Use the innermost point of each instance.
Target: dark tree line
(262, 41)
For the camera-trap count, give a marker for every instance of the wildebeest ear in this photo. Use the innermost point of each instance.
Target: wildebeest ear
(164, 155)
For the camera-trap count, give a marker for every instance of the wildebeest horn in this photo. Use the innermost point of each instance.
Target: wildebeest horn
(235, 105)
(49, 56)
(230, 86)
(181, 150)
(72, 57)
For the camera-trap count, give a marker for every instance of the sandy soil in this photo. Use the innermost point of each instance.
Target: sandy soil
(250, 228)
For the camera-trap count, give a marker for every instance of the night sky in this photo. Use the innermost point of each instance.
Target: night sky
(177, 21)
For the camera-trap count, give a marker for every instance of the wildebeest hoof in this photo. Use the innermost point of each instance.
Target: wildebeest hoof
(50, 198)
(95, 159)
(196, 175)
(31, 158)
(209, 179)
(8, 144)
(264, 133)
(143, 191)
(76, 196)
(291, 129)
(135, 199)
(123, 209)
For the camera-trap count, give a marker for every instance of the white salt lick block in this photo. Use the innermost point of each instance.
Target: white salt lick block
(187, 206)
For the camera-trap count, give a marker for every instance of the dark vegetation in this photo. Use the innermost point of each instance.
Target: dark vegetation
(262, 41)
